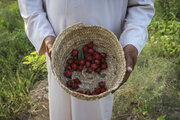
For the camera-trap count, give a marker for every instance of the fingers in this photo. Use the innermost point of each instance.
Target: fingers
(131, 57)
(49, 47)
(129, 63)
(49, 41)
(50, 51)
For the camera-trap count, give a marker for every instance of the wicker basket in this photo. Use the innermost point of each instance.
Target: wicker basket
(75, 37)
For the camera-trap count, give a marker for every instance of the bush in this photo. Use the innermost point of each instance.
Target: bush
(10, 18)
(164, 38)
(168, 9)
(15, 79)
(13, 47)
(37, 63)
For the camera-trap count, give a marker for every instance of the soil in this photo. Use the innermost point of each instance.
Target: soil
(40, 106)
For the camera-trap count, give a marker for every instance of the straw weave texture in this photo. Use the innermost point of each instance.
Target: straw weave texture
(76, 37)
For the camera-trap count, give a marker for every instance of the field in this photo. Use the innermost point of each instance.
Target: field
(151, 93)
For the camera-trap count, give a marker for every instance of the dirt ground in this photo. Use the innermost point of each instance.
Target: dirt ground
(40, 106)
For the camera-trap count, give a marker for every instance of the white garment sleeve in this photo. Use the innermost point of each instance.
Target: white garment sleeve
(138, 17)
(37, 26)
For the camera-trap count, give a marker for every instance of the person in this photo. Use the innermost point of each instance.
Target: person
(45, 19)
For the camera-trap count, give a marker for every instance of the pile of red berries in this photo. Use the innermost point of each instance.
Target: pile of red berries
(86, 57)
(73, 84)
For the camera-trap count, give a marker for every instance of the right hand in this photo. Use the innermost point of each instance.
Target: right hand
(49, 41)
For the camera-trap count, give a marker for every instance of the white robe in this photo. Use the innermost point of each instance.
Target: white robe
(128, 19)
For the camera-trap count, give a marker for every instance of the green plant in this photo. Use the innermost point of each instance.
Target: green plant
(164, 38)
(162, 117)
(38, 63)
(10, 18)
(146, 94)
(168, 9)
(14, 46)
(144, 110)
(16, 78)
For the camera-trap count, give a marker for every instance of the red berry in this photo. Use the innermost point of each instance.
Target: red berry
(75, 86)
(74, 66)
(89, 58)
(75, 57)
(68, 67)
(97, 90)
(90, 45)
(80, 91)
(70, 61)
(104, 66)
(97, 62)
(85, 48)
(94, 93)
(103, 60)
(90, 51)
(97, 56)
(75, 52)
(93, 61)
(89, 70)
(77, 81)
(82, 62)
(95, 52)
(76, 61)
(98, 70)
(101, 84)
(69, 83)
(103, 55)
(68, 74)
(103, 90)
(88, 92)
(94, 66)
(88, 64)
(80, 68)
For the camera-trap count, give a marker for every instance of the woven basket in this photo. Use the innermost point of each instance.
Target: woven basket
(75, 37)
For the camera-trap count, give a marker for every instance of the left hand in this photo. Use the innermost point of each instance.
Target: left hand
(49, 41)
(131, 54)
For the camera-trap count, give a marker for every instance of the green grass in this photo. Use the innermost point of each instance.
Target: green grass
(14, 77)
(153, 90)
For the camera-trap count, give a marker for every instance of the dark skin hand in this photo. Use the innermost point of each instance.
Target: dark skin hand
(131, 54)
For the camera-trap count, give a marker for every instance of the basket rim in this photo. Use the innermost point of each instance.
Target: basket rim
(74, 93)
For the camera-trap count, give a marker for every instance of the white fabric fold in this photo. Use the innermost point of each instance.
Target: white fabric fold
(37, 26)
(138, 17)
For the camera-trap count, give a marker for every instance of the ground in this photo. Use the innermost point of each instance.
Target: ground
(40, 107)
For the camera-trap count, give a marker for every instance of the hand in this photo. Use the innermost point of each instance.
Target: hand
(49, 41)
(131, 54)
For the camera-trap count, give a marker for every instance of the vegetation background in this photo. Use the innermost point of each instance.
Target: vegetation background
(151, 93)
